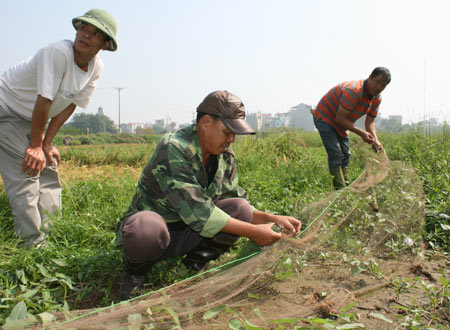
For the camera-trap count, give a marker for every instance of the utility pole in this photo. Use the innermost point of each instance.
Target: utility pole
(426, 119)
(119, 89)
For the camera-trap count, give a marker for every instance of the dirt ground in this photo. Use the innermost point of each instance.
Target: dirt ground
(355, 268)
(323, 286)
(358, 265)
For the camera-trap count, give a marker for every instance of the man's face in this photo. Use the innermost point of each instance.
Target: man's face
(377, 84)
(89, 40)
(217, 137)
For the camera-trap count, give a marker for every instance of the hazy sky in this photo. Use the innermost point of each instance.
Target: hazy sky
(273, 54)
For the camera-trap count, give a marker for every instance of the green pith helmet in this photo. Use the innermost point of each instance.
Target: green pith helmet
(103, 21)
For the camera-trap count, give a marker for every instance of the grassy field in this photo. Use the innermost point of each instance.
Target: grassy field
(80, 268)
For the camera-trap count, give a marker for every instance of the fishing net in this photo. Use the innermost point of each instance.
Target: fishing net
(354, 242)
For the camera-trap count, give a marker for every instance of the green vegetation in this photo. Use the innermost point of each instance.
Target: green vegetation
(94, 123)
(430, 156)
(135, 155)
(73, 138)
(80, 268)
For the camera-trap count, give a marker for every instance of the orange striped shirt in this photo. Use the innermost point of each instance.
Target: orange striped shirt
(351, 95)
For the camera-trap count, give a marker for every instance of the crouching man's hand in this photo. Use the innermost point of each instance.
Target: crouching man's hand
(264, 234)
(290, 225)
(260, 229)
(261, 233)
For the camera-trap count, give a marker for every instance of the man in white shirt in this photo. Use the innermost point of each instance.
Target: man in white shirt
(48, 85)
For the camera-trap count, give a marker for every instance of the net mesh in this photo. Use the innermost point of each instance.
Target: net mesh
(353, 244)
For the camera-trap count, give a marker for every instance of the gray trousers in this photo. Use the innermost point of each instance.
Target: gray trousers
(32, 199)
(147, 238)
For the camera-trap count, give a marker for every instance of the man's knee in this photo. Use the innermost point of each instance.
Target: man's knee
(335, 162)
(245, 210)
(50, 193)
(238, 208)
(145, 237)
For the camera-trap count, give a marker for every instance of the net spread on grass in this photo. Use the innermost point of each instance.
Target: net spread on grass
(354, 243)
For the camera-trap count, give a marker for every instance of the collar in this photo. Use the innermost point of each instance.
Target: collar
(195, 144)
(365, 91)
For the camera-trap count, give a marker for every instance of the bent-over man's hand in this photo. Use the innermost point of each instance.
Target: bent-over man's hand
(51, 151)
(376, 145)
(367, 137)
(34, 161)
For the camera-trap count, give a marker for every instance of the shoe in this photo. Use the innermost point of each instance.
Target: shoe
(134, 278)
(33, 244)
(346, 173)
(40, 245)
(338, 178)
(209, 249)
(130, 285)
(197, 259)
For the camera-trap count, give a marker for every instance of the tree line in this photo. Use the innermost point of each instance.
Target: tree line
(83, 123)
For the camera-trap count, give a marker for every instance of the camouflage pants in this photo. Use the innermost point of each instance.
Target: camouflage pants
(147, 238)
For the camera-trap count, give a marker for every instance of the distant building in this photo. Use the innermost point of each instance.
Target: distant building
(100, 111)
(429, 124)
(297, 117)
(160, 123)
(261, 121)
(172, 126)
(254, 120)
(165, 125)
(300, 117)
(267, 121)
(282, 120)
(130, 127)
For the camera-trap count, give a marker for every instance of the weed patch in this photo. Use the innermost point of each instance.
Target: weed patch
(345, 278)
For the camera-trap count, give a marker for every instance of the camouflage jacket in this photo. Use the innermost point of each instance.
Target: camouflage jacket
(174, 184)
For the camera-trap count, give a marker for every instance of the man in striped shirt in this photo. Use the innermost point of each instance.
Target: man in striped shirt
(337, 112)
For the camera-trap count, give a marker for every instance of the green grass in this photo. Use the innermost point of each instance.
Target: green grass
(134, 155)
(80, 268)
(430, 156)
(103, 138)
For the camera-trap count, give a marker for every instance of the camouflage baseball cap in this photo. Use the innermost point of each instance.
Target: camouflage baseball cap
(229, 108)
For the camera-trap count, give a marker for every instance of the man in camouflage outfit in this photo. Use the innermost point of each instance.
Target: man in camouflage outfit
(188, 201)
